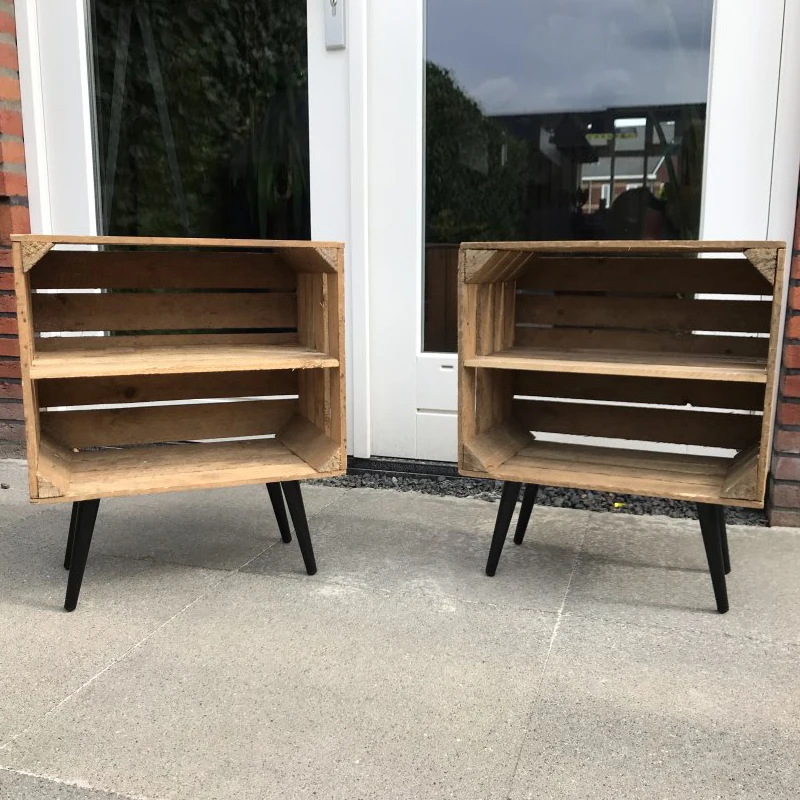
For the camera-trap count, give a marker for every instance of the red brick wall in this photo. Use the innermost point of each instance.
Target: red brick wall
(13, 219)
(783, 505)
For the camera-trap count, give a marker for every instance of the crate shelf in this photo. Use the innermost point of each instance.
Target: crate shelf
(627, 362)
(153, 365)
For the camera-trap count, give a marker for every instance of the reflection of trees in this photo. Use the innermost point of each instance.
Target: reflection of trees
(234, 82)
(476, 172)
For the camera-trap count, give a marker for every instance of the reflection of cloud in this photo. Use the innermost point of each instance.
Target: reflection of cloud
(517, 56)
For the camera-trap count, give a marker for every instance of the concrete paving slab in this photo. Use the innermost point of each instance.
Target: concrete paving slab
(633, 712)
(283, 688)
(403, 542)
(46, 653)
(653, 570)
(215, 529)
(17, 786)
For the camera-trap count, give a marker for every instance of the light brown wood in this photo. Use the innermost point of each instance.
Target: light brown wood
(483, 266)
(644, 364)
(162, 269)
(741, 479)
(704, 428)
(626, 389)
(173, 423)
(671, 475)
(118, 437)
(765, 261)
(650, 313)
(168, 241)
(184, 359)
(311, 444)
(625, 246)
(163, 311)
(31, 253)
(655, 275)
(159, 388)
(183, 467)
(492, 448)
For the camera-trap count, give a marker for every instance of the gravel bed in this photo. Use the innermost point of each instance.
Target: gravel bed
(548, 496)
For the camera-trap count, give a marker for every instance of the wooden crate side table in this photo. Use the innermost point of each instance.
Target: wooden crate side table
(156, 365)
(634, 345)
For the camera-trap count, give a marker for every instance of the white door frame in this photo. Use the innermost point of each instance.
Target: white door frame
(749, 192)
(57, 107)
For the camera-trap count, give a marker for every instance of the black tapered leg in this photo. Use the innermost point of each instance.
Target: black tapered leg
(508, 501)
(712, 540)
(86, 515)
(726, 557)
(276, 496)
(71, 538)
(294, 499)
(528, 499)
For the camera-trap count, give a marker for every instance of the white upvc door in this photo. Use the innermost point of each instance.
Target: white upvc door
(752, 152)
(61, 152)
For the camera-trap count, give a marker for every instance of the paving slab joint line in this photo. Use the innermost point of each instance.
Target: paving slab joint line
(74, 784)
(211, 588)
(538, 692)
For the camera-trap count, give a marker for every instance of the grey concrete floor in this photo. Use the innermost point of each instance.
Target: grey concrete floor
(203, 663)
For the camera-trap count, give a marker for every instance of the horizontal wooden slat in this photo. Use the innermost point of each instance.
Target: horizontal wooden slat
(640, 313)
(644, 341)
(170, 241)
(634, 363)
(655, 275)
(130, 426)
(183, 359)
(168, 269)
(623, 389)
(158, 388)
(130, 342)
(674, 475)
(149, 470)
(146, 311)
(705, 428)
(625, 246)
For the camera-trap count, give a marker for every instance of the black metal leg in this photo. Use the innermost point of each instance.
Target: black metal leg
(528, 499)
(294, 499)
(276, 497)
(71, 538)
(508, 500)
(86, 515)
(712, 540)
(726, 557)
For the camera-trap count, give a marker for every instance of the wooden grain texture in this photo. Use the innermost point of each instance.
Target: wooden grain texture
(672, 475)
(765, 261)
(741, 479)
(704, 428)
(490, 449)
(311, 259)
(624, 247)
(649, 314)
(626, 389)
(182, 242)
(174, 423)
(626, 340)
(183, 359)
(482, 266)
(308, 442)
(655, 275)
(163, 311)
(167, 269)
(184, 467)
(633, 363)
(138, 342)
(160, 388)
(467, 333)
(31, 252)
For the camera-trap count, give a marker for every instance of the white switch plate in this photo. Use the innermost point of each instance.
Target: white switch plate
(334, 24)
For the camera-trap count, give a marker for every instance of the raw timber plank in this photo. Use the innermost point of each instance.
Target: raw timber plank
(163, 311)
(167, 269)
(633, 363)
(174, 423)
(311, 444)
(54, 344)
(171, 241)
(625, 246)
(174, 360)
(705, 428)
(488, 450)
(645, 313)
(664, 275)
(158, 388)
(741, 480)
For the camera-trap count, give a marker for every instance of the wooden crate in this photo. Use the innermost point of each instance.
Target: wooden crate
(114, 330)
(620, 341)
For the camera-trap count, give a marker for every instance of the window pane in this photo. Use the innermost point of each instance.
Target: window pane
(202, 117)
(559, 119)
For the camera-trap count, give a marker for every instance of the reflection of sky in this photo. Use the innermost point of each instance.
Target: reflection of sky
(521, 56)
